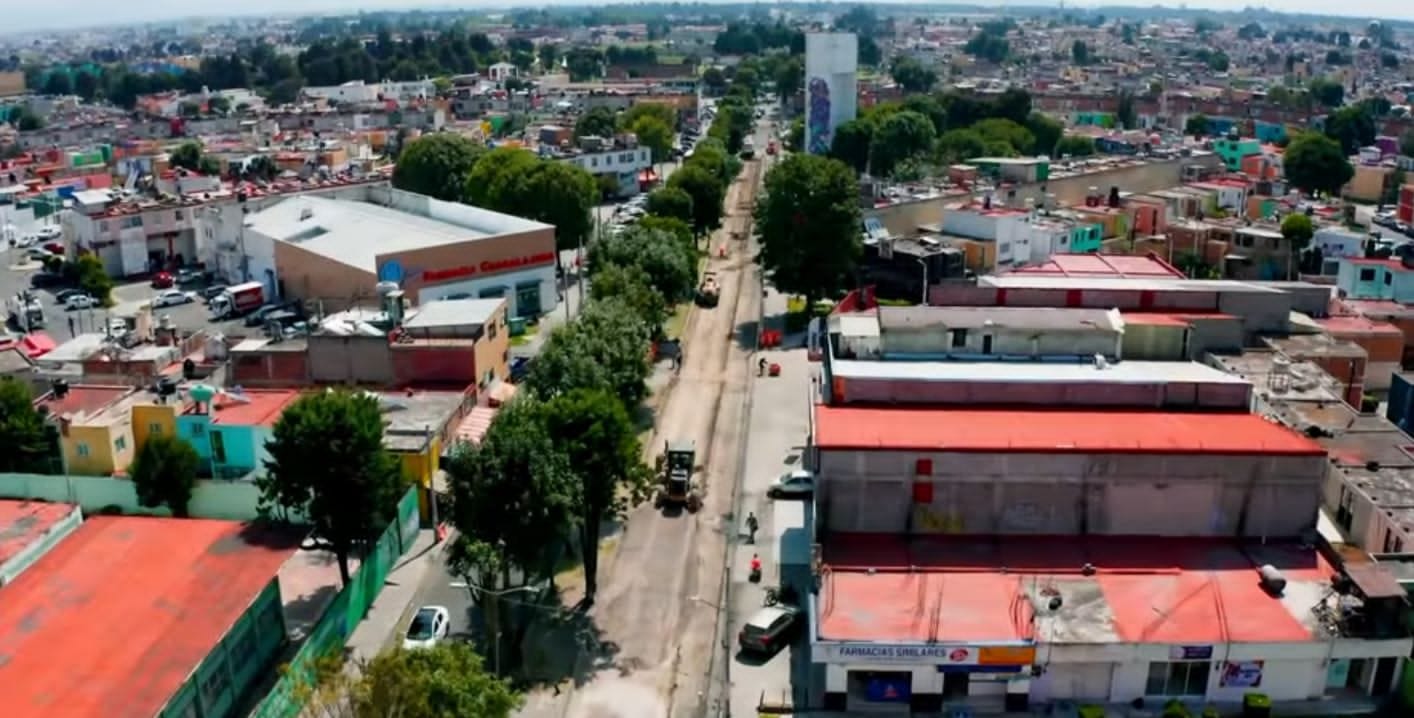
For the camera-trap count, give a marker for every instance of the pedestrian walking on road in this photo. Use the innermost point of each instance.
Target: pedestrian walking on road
(751, 526)
(71, 327)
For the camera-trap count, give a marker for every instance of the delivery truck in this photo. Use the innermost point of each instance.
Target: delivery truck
(237, 301)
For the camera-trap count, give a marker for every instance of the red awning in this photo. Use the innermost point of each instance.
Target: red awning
(647, 176)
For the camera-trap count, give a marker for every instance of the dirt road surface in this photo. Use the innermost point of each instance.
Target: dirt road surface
(657, 606)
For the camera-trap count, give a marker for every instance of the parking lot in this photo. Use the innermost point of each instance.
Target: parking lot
(63, 324)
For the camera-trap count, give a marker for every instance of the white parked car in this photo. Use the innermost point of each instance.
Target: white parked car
(80, 301)
(170, 297)
(49, 231)
(798, 483)
(27, 240)
(429, 626)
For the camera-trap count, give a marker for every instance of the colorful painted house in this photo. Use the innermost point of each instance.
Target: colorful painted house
(1233, 150)
(229, 429)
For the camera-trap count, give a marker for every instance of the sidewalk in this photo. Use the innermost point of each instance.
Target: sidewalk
(394, 604)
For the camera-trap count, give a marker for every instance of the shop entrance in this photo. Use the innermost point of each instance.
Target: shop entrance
(528, 299)
(879, 691)
(955, 685)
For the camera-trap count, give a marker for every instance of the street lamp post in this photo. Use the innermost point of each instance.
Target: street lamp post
(924, 264)
(474, 589)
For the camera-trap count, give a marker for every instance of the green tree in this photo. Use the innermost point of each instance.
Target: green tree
(598, 122)
(714, 81)
(86, 86)
(707, 192)
(328, 464)
(671, 225)
(789, 77)
(958, 146)
(549, 55)
(187, 155)
(1316, 163)
(164, 473)
(218, 104)
(437, 165)
(1075, 146)
(655, 135)
(1046, 131)
(900, 136)
(655, 110)
(1352, 126)
(58, 82)
(911, 75)
(445, 680)
(28, 121)
(1327, 92)
(809, 223)
(22, 431)
(597, 435)
(1297, 230)
(670, 264)
(851, 143)
(497, 180)
(996, 129)
(93, 278)
(670, 202)
(513, 498)
(1124, 111)
(1080, 52)
(633, 288)
(562, 195)
(1196, 125)
(606, 348)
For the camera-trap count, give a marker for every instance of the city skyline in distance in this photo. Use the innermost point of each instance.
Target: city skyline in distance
(30, 17)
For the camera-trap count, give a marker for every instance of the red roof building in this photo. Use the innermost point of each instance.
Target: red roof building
(135, 616)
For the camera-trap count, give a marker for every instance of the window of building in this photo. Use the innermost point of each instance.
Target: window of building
(1244, 240)
(198, 430)
(1389, 278)
(215, 683)
(120, 443)
(1393, 542)
(1367, 274)
(959, 338)
(81, 449)
(1178, 678)
(103, 226)
(1345, 513)
(154, 429)
(218, 448)
(244, 645)
(177, 215)
(593, 161)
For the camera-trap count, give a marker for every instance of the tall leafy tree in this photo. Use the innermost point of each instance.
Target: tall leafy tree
(445, 680)
(1046, 131)
(1316, 163)
(606, 348)
(900, 136)
(513, 499)
(789, 77)
(497, 180)
(601, 443)
(22, 430)
(562, 195)
(810, 226)
(911, 75)
(707, 192)
(437, 165)
(164, 473)
(597, 122)
(670, 202)
(1196, 125)
(671, 266)
(654, 134)
(631, 287)
(328, 463)
(851, 143)
(1297, 230)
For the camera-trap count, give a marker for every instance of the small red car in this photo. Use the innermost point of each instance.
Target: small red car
(162, 280)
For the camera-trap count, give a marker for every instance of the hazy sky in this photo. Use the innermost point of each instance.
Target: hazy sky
(31, 15)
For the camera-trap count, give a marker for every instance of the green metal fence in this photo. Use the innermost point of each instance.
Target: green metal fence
(345, 612)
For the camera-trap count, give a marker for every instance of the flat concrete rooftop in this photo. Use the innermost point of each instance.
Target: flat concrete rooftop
(1144, 590)
(1124, 372)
